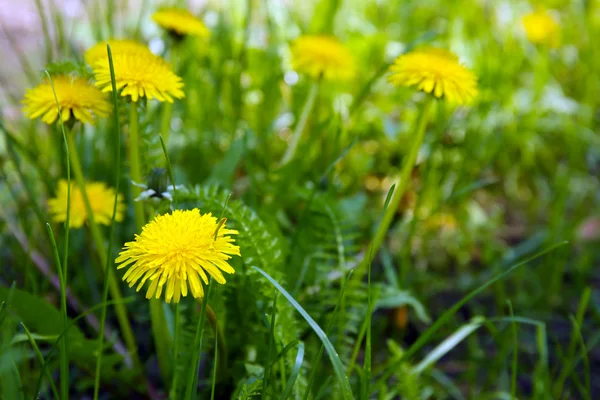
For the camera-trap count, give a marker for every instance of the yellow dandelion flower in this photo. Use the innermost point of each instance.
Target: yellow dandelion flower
(101, 199)
(76, 96)
(180, 22)
(176, 249)
(117, 46)
(541, 28)
(322, 56)
(435, 71)
(140, 74)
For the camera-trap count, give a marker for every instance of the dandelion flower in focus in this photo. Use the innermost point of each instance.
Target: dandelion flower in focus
(76, 96)
(101, 197)
(180, 22)
(322, 56)
(178, 249)
(435, 71)
(140, 74)
(541, 28)
(117, 46)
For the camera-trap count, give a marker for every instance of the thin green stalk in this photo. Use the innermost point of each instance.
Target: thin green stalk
(47, 37)
(402, 185)
(134, 163)
(448, 314)
(197, 349)
(138, 26)
(570, 356)
(30, 73)
(112, 225)
(513, 380)
(110, 11)
(270, 347)
(64, 357)
(166, 107)
(177, 329)
(63, 43)
(40, 357)
(62, 273)
(63, 334)
(366, 381)
(115, 291)
(160, 332)
(317, 361)
(214, 373)
(306, 110)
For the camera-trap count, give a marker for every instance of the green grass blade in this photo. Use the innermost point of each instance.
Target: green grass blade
(40, 357)
(515, 343)
(569, 363)
(338, 367)
(426, 336)
(365, 386)
(214, 372)
(317, 361)
(64, 332)
(64, 357)
(45, 30)
(169, 170)
(295, 371)
(448, 344)
(271, 344)
(64, 385)
(195, 367)
(111, 235)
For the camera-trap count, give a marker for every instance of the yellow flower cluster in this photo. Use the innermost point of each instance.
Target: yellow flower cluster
(177, 252)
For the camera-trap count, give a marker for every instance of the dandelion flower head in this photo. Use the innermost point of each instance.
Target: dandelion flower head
(101, 197)
(180, 22)
(117, 46)
(322, 56)
(140, 74)
(435, 71)
(76, 97)
(178, 249)
(541, 28)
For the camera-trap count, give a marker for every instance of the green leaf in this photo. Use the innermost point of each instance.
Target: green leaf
(222, 173)
(338, 367)
(39, 316)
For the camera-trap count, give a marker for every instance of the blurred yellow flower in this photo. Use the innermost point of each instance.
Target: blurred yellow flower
(435, 71)
(180, 22)
(322, 56)
(101, 197)
(541, 28)
(443, 221)
(117, 46)
(76, 96)
(176, 249)
(140, 74)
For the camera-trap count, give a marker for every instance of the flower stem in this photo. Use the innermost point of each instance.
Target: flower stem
(115, 292)
(407, 167)
(167, 108)
(135, 171)
(162, 339)
(308, 106)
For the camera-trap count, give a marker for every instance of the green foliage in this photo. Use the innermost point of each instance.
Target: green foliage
(492, 184)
